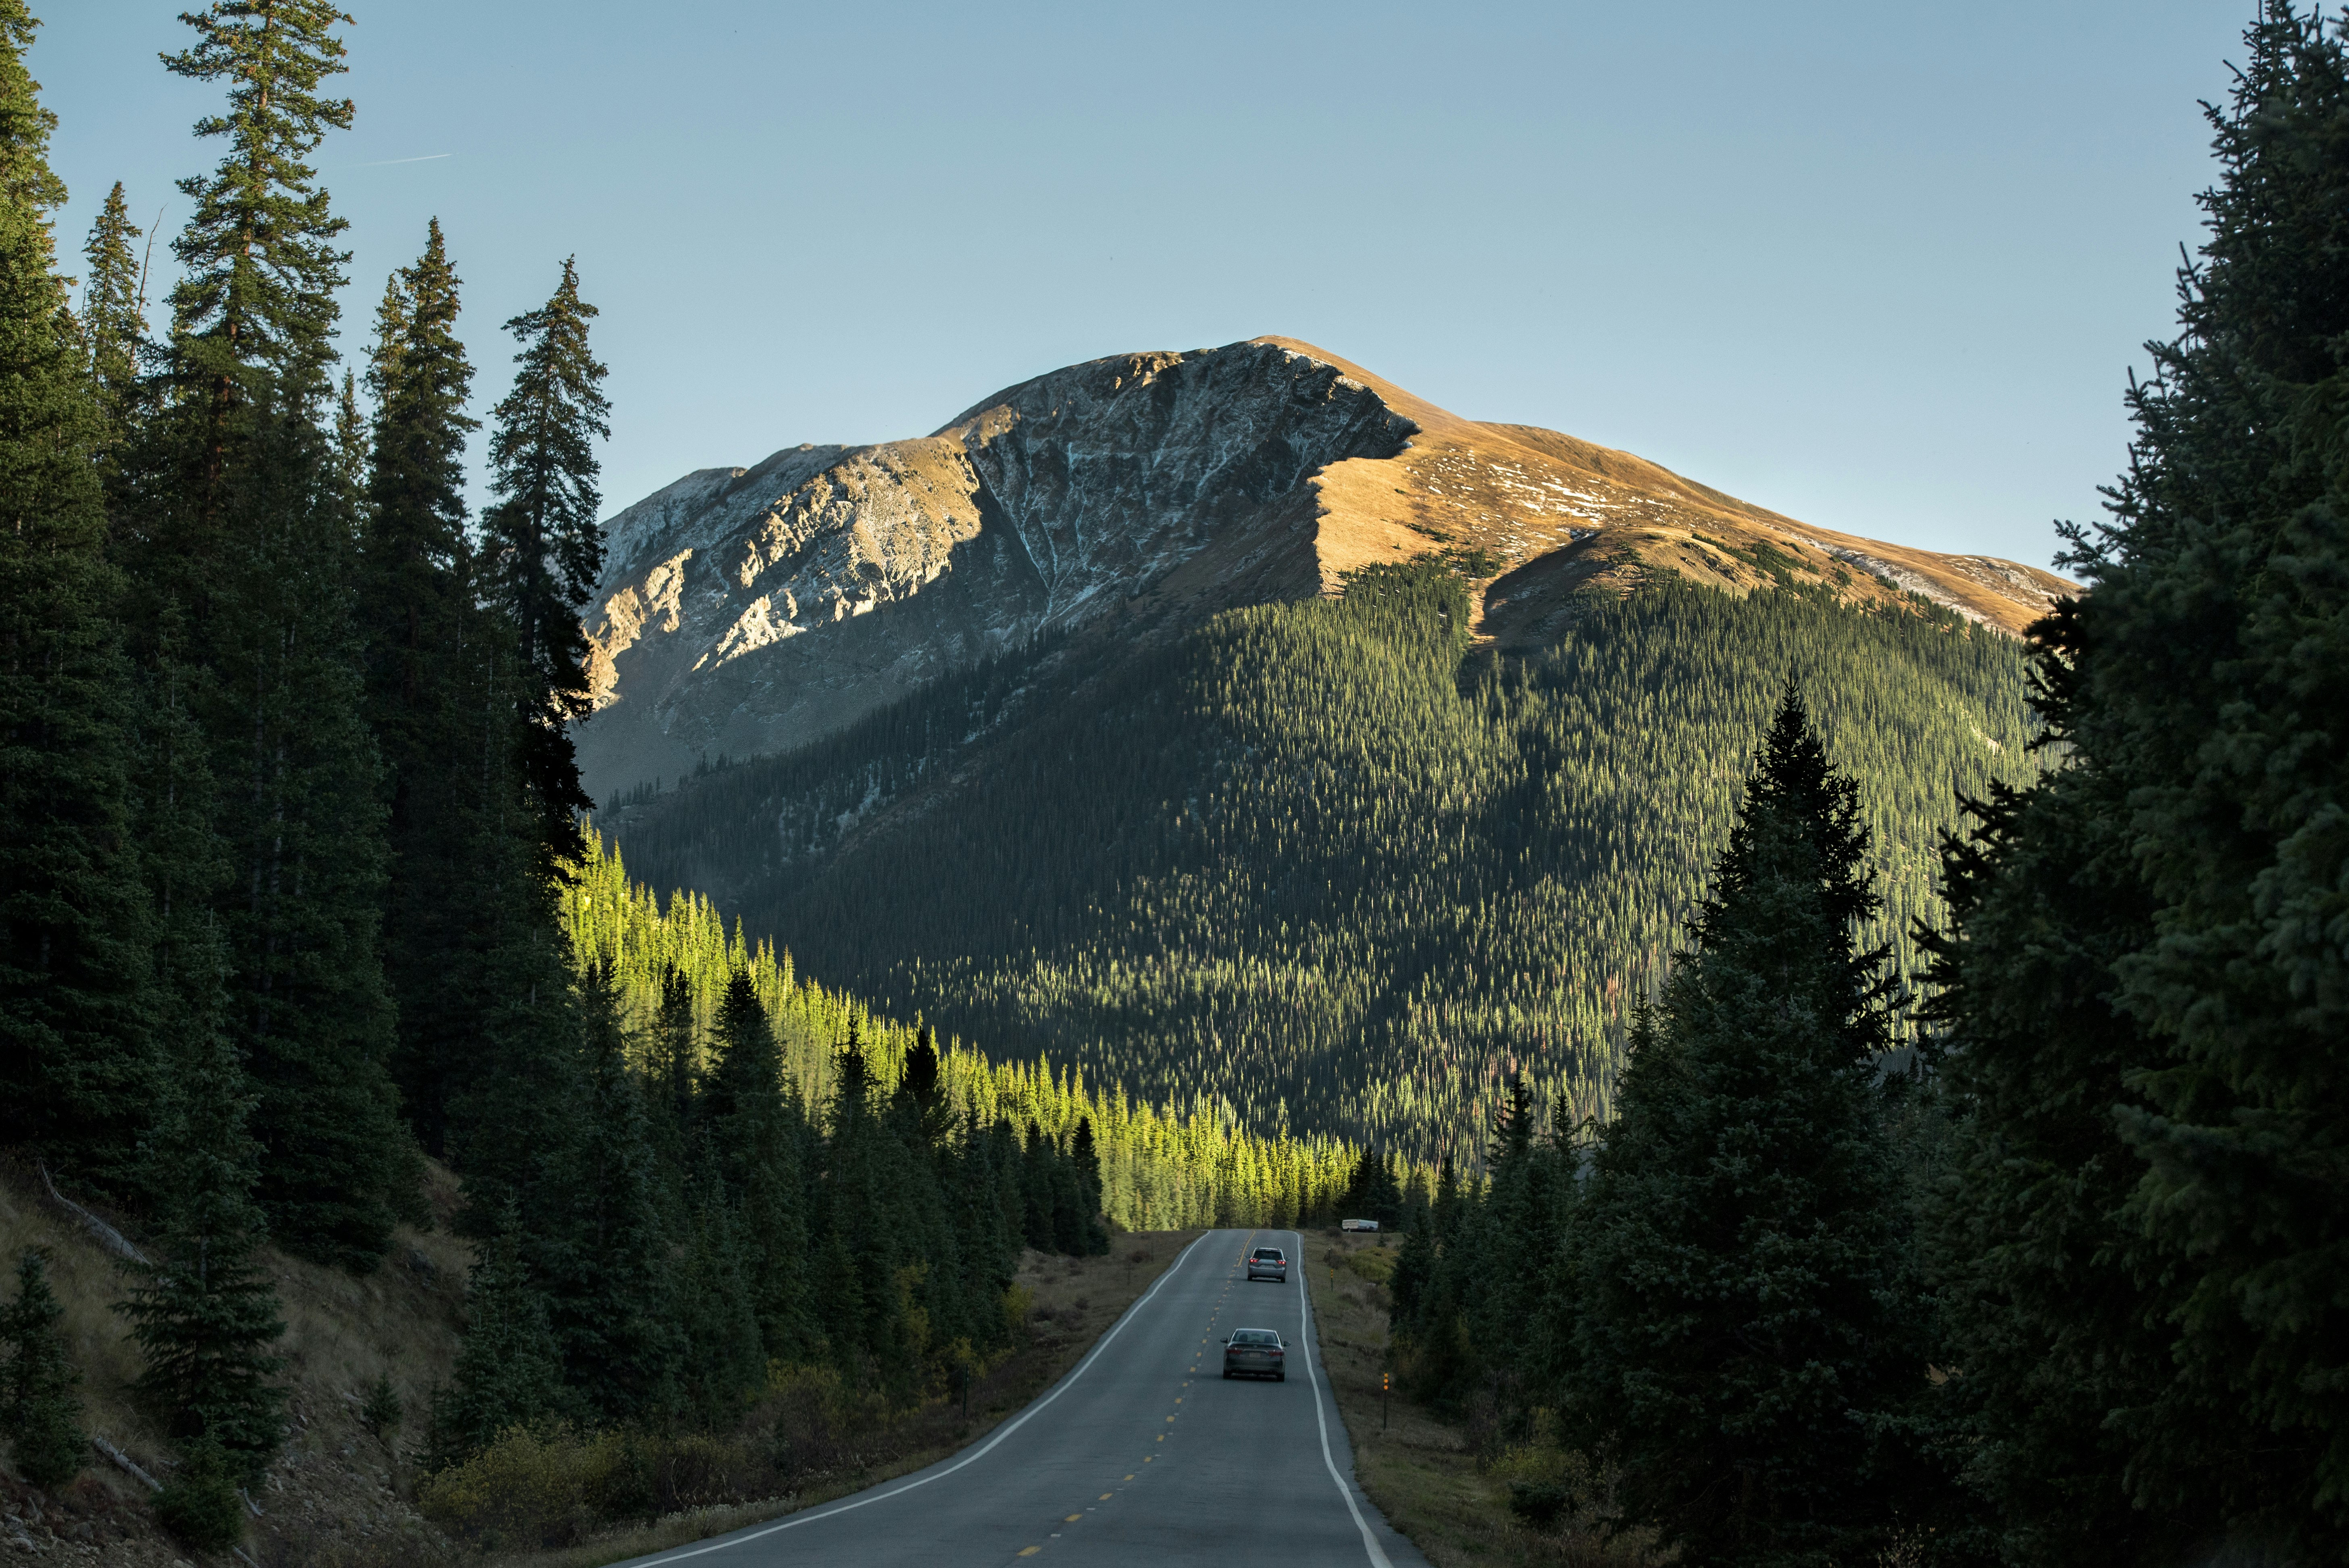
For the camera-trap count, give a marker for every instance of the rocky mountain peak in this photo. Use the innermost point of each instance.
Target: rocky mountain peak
(748, 610)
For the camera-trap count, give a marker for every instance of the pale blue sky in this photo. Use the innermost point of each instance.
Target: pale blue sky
(1880, 267)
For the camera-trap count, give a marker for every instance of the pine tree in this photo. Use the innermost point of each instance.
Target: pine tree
(204, 1312)
(186, 864)
(39, 1412)
(604, 1253)
(989, 1251)
(352, 454)
(725, 1359)
(426, 647)
(508, 1372)
(508, 1100)
(750, 1125)
(200, 1503)
(1752, 1323)
(1036, 1191)
(230, 503)
(673, 1057)
(1085, 1158)
(114, 313)
(546, 544)
(2148, 1002)
(2066, 1353)
(74, 1012)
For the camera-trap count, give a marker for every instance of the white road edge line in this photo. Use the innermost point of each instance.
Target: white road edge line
(1305, 1339)
(977, 1454)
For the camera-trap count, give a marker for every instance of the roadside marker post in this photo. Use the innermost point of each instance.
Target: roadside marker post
(1386, 1387)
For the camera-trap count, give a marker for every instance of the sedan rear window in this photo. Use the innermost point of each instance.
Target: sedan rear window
(1256, 1336)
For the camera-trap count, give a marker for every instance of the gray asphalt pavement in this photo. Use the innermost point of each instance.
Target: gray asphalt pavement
(1142, 1454)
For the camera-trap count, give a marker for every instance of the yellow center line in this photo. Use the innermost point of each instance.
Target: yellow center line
(1072, 1519)
(1029, 1551)
(1106, 1496)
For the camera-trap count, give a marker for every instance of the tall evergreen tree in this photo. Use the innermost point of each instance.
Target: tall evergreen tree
(546, 544)
(39, 1412)
(989, 1249)
(715, 1316)
(2064, 1349)
(74, 1013)
(1752, 1324)
(113, 313)
(509, 1101)
(203, 1312)
(509, 1372)
(1036, 1192)
(1084, 1161)
(2147, 994)
(352, 454)
(230, 504)
(602, 1254)
(750, 1126)
(425, 648)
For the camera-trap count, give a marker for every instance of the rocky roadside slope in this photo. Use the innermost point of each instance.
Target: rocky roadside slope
(749, 610)
(338, 1491)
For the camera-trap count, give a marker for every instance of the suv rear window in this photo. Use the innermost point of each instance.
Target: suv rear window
(1268, 1254)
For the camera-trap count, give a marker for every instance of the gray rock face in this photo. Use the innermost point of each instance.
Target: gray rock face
(750, 610)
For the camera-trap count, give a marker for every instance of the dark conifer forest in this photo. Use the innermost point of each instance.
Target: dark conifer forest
(2062, 1284)
(298, 896)
(1855, 1088)
(1330, 860)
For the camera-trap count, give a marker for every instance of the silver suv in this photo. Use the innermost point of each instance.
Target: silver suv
(1256, 1352)
(1269, 1263)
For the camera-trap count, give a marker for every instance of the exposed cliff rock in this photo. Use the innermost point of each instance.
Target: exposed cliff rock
(748, 610)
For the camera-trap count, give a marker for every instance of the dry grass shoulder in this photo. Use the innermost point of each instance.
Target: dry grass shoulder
(1428, 1475)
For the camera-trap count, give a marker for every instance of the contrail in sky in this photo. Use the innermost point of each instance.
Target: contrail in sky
(427, 158)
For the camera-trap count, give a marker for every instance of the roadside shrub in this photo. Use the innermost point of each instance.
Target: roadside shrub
(200, 1505)
(1551, 1487)
(698, 1470)
(527, 1489)
(630, 1489)
(1374, 1264)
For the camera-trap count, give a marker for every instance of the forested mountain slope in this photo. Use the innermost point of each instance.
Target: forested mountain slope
(1126, 501)
(1339, 860)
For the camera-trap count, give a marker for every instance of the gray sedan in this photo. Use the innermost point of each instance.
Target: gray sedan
(1257, 1352)
(1269, 1263)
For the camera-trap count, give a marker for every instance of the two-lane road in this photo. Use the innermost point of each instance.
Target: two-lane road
(1142, 1454)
